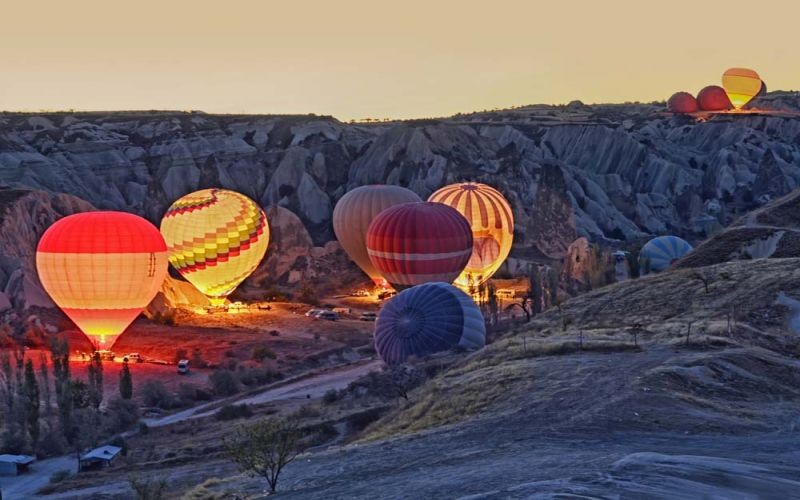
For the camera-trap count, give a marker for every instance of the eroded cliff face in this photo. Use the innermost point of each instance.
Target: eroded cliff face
(24, 216)
(610, 173)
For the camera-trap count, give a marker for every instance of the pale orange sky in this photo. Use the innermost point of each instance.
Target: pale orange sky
(404, 59)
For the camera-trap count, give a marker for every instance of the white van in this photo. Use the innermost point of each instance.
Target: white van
(183, 367)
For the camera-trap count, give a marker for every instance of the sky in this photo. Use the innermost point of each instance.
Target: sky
(358, 59)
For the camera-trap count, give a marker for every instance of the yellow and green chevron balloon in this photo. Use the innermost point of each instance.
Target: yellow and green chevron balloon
(215, 239)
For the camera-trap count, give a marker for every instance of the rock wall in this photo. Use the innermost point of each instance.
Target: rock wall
(609, 173)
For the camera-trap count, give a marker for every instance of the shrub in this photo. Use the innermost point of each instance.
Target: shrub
(122, 414)
(197, 359)
(224, 383)
(181, 354)
(357, 422)
(154, 393)
(274, 333)
(148, 488)
(261, 353)
(143, 428)
(231, 412)
(189, 393)
(257, 375)
(59, 475)
(330, 396)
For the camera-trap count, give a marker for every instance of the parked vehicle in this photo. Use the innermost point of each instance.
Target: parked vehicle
(360, 293)
(313, 313)
(387, 294)
(134, 357)
(183, 367)
(368, 316)
(106, 355)
(328, 315)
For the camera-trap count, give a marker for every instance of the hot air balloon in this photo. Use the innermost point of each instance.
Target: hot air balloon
(102, 269)
(741, 85)
(416, 243)
(682, 102)
(659, 253)
(492, 224)
(353, 214)
(216, 238)
(426, 319)
(713, 98)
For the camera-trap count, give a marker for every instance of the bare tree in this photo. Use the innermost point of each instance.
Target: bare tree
(706, 276)
(635, 330)
(265, 447)
(395, 381)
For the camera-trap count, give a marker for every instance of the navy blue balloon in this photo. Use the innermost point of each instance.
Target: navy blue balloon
(425, 319)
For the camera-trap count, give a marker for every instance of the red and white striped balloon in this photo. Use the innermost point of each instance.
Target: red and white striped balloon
(417, 243)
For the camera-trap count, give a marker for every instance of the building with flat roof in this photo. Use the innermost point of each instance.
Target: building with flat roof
(13, 465)
(99, 458)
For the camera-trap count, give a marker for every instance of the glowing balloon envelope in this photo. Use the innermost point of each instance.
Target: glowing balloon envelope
(353, 214)
(102, 269)
(713, 98)
(416, 243)
(216, 238)
(492, 224)
(426, 319)
(660, 253)
(741, 85)
(682, 102)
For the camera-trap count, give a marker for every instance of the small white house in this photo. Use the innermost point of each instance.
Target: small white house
(99, 458)
(13, 465)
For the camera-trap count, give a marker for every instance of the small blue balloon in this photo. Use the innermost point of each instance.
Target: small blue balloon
(660, 253)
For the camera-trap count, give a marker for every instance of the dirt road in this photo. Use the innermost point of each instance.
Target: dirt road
(314, 386)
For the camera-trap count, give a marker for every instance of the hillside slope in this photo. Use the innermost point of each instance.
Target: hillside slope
(542, 417)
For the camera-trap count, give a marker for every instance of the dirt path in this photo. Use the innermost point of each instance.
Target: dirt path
(307, 387)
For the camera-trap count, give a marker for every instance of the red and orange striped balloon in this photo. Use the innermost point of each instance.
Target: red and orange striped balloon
(492, 224)
(417, 243)
(102, 269)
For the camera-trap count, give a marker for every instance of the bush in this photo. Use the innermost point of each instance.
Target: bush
(253, 376)
(181, 354)
(231, 412)
(122, 414)
(59, 475)
(154, 393)
(357, 422)
(188, 393)
(261, 353)
(330, 396)
(224, 383)
(274, 333)
(143, 428)
(197, 360)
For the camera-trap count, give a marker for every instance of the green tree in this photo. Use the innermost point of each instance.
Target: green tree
(31, 401)
(96, 380)
(265, 447)
(62, 380)
(125, 381)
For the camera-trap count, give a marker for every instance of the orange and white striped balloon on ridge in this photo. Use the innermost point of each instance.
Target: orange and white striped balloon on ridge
(216, 238)
(492, 223)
